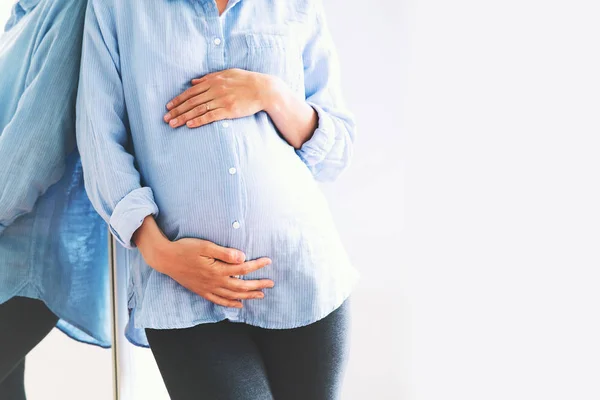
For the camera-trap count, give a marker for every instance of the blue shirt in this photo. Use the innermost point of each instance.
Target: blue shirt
(237, 183)
(53, 245)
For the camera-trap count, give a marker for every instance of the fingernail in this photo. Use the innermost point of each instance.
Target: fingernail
(190, 124)
(167, 117)
(169, 105)
(173, 122)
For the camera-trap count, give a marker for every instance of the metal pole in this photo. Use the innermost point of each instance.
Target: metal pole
(113, 306)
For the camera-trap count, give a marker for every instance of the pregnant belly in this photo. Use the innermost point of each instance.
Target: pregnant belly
(259, 182)
(278, 183)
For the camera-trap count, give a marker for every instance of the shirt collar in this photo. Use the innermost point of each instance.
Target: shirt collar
(230, 3)
(28, 5)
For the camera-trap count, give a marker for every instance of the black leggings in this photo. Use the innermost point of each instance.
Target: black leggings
(235, 361)
(24, 322)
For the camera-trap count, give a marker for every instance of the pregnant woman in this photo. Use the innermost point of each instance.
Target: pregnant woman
(53, 245)
(204, 127)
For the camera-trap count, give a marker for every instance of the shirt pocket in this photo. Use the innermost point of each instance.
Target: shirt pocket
(276, 54)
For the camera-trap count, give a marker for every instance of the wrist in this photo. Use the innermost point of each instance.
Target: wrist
(152, 243)
(271, 92)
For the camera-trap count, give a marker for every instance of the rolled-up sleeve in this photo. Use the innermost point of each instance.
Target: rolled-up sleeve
(329, 150)
(35, 143)
(112, 181)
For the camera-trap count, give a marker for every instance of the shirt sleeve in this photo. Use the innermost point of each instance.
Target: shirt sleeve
(329, 150)
(34, 145)
(112, 181)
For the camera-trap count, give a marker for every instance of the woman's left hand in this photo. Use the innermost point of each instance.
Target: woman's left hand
(228, 94)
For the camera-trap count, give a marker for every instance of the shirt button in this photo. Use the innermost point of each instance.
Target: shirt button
(236, 225)
(217, 41)
(232, 171)
(225, 124)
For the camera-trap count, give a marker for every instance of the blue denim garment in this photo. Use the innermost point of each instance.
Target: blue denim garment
(237, 183)
(53, 245)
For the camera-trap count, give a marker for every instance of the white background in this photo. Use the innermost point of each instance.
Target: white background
(472, 207)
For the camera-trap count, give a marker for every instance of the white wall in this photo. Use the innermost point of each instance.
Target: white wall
(500, 240)
(60, 368)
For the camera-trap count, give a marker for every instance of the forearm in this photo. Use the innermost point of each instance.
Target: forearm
(293, 116)
(151, 241)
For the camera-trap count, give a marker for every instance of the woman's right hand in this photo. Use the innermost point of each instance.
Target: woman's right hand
(201, 266)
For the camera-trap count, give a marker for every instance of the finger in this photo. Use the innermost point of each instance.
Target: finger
(195, 101)
(196, 112)
(225, 254)
(247, 267)
(241, 285)
(186, 95)
(213, 115)
(197, 81)
(223, 302)
(206, 77)
(245, 295)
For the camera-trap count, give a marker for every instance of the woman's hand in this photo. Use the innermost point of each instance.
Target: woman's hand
(228, 94)
(236, 93)
(202, 266)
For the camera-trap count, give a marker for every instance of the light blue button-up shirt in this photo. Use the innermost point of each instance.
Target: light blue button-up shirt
(237, 183)
(53, 245)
